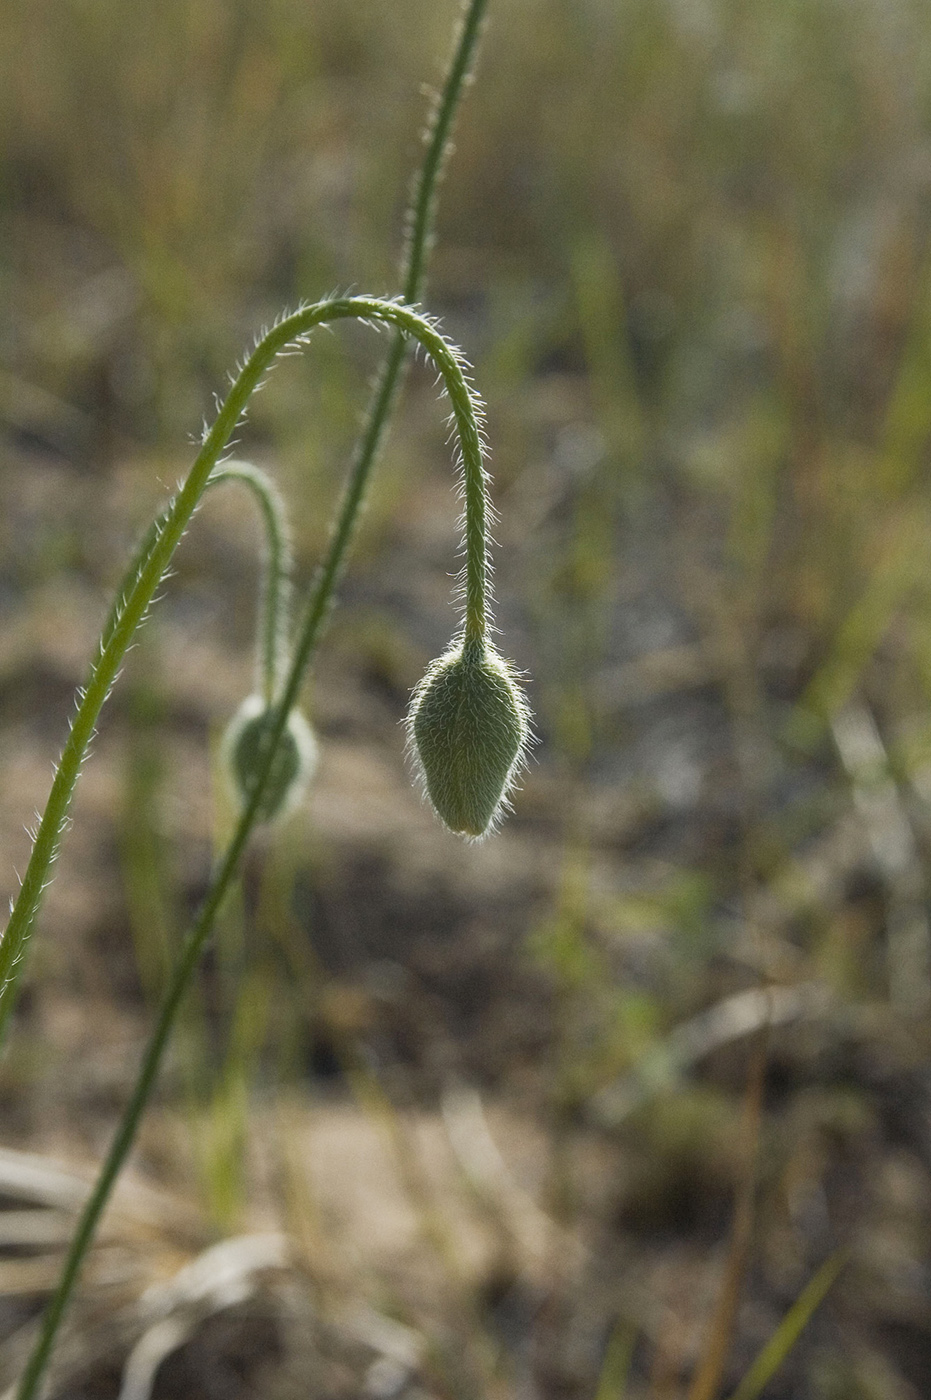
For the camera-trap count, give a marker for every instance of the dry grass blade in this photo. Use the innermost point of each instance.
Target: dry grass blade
(734, 1018)
(154, 1346)
(60, 1187)
(154, 1326)
(221, 1277)
(515, 1213)
(897, 858)
(35, 1229)
(29, 1176)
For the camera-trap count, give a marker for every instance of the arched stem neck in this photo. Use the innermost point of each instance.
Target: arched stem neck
(273, 633)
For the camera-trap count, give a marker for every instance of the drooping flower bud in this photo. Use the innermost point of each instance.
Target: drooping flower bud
(469, 730)
(293, 765)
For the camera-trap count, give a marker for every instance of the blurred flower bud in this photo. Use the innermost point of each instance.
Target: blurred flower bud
(469, 729)
(293, 765)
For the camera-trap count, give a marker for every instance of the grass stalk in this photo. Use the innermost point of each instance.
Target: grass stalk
(790, 1329)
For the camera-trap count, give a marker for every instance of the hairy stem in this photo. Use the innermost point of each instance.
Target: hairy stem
(290, 331)
(419, 240)
(274, 628)
(422, 218)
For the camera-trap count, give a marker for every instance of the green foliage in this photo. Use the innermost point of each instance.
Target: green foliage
(790, 1328)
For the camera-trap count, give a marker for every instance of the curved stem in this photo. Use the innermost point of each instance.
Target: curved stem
(275, 619)
(417, 247)
(290, 331)
(274, 628)
(417, 252)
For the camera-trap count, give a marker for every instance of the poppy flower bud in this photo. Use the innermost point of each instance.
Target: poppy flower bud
(292, 767)
(469, 729)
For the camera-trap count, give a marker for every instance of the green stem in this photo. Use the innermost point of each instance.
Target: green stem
(274, 629)
(274, 625)
(119, 1148)
(417, 252)
(422, 218)
(419, 239)
(290, 331)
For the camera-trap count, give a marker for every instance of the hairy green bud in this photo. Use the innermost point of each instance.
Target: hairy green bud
(244, 753)
(469, 729)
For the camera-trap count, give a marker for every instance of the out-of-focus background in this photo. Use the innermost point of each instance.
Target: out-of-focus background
(474, 1121)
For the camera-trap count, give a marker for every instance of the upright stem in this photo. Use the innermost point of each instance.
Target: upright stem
(419, 238)
(422, 219)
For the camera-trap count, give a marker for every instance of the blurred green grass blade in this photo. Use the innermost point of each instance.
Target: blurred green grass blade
(603, 320)
(900, 566)
(615, 1369)
(894, 548)
(789, 1330)
(144, 868)
(907, 425)
(225, 1126)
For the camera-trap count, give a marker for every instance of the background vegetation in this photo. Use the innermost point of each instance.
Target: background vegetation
(499, 1099)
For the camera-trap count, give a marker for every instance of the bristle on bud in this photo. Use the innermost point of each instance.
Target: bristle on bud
(469, 727)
